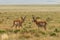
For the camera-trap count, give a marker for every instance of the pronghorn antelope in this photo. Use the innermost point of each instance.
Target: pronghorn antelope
(39, 22)
(18, 22)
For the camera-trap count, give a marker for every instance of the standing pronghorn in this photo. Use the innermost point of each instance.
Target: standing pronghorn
(18, 22)
(39, 22)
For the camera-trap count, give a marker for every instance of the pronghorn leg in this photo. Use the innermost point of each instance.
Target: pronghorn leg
(45, 27)
(42, 26)
(20, 25)
(38, 26)
(16, 26)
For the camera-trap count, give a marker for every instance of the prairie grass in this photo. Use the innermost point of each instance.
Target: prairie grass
(29, 30)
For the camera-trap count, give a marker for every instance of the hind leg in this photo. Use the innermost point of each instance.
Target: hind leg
(20, 25)
(16, 26)
(45, 27)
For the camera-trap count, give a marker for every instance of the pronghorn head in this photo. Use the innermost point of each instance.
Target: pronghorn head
(23, 18)
(34, 18)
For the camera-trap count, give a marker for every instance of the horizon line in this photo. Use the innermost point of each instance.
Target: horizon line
(29, 4)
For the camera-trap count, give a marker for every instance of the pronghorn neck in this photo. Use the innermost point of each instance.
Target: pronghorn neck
(34, 19)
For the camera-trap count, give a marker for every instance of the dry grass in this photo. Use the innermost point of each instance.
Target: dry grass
(29, 30)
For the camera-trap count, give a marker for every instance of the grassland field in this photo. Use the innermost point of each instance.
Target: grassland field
(29, 30)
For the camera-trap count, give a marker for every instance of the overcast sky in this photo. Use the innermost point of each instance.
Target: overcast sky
(29, 1)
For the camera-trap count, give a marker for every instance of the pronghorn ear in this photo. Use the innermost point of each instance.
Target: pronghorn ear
(23, 17)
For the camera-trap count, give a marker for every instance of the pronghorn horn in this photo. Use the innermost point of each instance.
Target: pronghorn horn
(23, 17)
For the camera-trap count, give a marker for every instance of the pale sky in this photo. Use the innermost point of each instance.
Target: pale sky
(29, 1)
